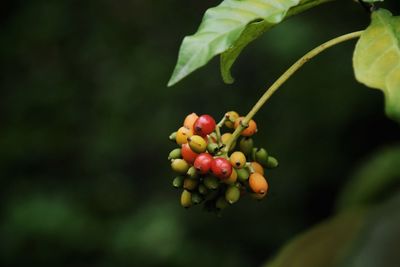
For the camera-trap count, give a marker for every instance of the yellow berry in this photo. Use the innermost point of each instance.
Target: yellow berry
(231, 116)
(232, 178)
(182, 135)
(186, 199)
(197, 143)
(180, 166)
(238, 159)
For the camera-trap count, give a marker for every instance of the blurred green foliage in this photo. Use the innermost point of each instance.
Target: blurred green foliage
(85, 116)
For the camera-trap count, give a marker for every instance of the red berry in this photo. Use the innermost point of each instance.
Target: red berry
(205, 124)
(203, 163)
(188, 154)
(221, 168)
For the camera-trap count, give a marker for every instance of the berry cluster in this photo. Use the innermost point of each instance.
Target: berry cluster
(212, 167)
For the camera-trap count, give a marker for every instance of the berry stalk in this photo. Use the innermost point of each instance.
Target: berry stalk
(283, 78)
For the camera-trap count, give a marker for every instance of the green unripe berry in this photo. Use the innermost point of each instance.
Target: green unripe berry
(180, 166)
(203, 189)
(232, 194)
(186, 199)
(246, 145)
(272, 162)
(196, 198)
(243, 174)
(172, 136)
(211, 182)
(262, 156)
(212, 148)
(253, 153)
(190, 184)
(175, 154)
(192, 173)
(177, 182)
(221, 203)
(197, 143)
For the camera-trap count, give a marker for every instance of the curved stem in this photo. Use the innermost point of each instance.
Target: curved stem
(285, 76)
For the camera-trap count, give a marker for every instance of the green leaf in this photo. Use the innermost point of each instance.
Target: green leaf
(323, 245)
(376, 59)
(221, 27)
(253, 31)
(374, 181)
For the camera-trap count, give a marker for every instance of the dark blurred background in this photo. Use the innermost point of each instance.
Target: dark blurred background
(85, 116)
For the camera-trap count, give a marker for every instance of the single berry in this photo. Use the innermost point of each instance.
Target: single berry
(205, 124)
(231, 116)
(246, 145)
(249, 130)
(197, 143)
(221, 168)
(225, 138)
(189, 121)
(232, 194)
(172, 136)
(192, 173)
(211, 182)
(258, 183)
(232, 178)
(188, 154)
(261, 156)
(182, 135)
(243, 174)
(180, 166)
(175, 154)
(238, 159)
(186, 199)
(203, 163)
(272, 162)
(257, 167)
(177, 182)
(212, 148)
(190, 184)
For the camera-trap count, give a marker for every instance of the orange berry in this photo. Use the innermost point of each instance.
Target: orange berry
(258, 183)
(249, 130)
(189, 121)
(257, 167)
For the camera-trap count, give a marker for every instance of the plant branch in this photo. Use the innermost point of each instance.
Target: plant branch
(282, 79)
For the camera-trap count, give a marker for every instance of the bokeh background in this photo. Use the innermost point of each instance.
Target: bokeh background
(85, 116)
